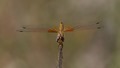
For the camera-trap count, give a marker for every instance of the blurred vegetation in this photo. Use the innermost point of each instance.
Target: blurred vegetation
(82, 48)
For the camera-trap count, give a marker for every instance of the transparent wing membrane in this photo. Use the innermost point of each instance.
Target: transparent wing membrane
(95, 26)
(37, 29)
(68, 29)
(53, 30)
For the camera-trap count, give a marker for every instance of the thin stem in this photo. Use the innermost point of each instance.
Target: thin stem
(60, 56)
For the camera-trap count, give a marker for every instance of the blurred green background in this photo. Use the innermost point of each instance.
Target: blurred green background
(82, 48)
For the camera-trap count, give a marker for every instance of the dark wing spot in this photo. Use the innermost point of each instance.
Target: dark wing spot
(20, 31)
(24, 27)
(98, 23)
(98, 27)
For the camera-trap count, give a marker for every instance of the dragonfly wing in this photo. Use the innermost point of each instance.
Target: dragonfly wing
(53, 30)
(37, 29)
(68, 29)
(89, 27)
(97, 25)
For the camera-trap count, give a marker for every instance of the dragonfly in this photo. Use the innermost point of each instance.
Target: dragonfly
(60, 30)
(60, 34)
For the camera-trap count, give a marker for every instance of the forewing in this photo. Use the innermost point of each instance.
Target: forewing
(37, 29)
(53, 30)
(68, 29)
(96, 25)
(93, 26)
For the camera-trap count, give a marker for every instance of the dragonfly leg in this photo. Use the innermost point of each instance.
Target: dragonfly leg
(60, 38)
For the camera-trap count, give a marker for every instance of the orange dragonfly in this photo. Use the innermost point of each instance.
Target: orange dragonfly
(60, 31)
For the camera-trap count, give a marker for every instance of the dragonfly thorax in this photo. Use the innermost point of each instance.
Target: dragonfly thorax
(61, 27)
